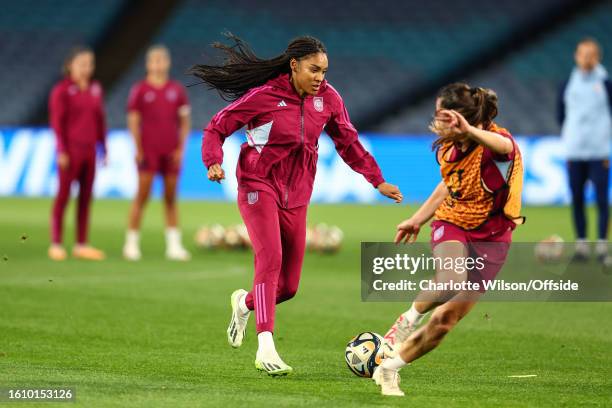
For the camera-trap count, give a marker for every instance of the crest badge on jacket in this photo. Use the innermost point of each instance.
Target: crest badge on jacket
(252, 197)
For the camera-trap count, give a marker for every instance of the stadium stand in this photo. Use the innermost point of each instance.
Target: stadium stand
(376, 47)
(527, 81)
(36, 36)
(379, 49)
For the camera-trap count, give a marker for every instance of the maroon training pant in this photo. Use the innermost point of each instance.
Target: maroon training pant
(82, 168)
(279, 240)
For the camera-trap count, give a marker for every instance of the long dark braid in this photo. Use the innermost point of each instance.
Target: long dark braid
(243, 70)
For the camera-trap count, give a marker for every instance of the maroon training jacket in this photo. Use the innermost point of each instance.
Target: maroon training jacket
(283, 130)
(77, 116)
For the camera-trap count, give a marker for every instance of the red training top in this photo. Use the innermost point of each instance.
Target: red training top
(77, 116)
(283, 130)
(159, 110)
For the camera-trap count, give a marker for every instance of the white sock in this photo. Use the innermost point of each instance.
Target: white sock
(394, 363)
(413, 316)
(242, 305)
(132, 237)
(266, 344)
(173, 237)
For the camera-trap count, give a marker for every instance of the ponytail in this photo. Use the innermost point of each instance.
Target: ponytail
(243, 70)
(477, 105)
(486, 101)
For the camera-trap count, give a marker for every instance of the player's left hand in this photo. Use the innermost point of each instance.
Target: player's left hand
(407, 231)
(177, 156)
(391, 191)
(456, 122)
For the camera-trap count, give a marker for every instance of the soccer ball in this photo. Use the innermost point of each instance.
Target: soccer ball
(550, 249)
(324, 238)
(333, 239)
(232, 238)
(364, 353)
(208, 237)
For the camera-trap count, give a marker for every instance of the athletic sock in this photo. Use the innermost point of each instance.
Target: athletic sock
(132, 237)
(242, 305)
(266, 344)
(394, 363)
(173, 238)
(413, 316)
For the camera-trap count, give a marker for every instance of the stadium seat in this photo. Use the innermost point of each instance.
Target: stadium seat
(36, 37)
(375, 46)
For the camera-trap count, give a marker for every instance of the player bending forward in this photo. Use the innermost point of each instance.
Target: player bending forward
(475, 207)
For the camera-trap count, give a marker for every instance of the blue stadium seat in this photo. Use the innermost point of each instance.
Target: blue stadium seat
(375, 46)
(527, 81)
(36, 36)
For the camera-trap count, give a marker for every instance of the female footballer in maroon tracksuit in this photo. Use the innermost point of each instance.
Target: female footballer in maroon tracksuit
(285, 104)
(77, 117)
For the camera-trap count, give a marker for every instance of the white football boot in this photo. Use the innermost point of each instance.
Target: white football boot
(389, 382)
(239, 320)
(272, 365)
(174, 249)
(131, 251)
(177, 253)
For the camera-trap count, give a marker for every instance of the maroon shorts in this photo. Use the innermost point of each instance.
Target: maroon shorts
(162, 163)
(489, 242)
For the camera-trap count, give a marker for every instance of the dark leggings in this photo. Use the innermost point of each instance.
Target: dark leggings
(579, 172)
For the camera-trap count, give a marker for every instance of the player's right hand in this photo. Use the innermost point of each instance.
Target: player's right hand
(216, 173)
(407, 231)
(63, 161)
(391, 191)
(139, 157)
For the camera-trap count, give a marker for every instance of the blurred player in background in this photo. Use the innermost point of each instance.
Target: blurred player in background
(159, 119)
(286, 104)
(76, 111)
(477, 203)
(585, 105)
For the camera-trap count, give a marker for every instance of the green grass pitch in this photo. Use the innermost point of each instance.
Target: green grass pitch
(153, 333)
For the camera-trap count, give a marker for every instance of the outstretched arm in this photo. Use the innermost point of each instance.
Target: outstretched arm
(348, 146)
(408, 230)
